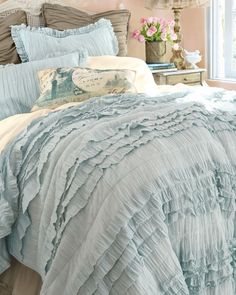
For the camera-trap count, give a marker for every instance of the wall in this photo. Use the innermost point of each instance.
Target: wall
(193, 29)
(191, 26)
(137, 9)
(192, 21)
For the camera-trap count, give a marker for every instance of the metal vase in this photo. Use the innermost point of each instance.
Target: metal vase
(155, 52)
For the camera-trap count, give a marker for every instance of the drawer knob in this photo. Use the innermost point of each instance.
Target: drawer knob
(185, 79)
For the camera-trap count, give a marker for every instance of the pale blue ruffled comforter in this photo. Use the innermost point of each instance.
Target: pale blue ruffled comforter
(124, 195)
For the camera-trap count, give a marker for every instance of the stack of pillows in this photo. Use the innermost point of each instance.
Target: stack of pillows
(54, 68)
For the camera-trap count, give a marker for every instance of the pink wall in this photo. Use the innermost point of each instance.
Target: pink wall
(137, 9)
(192, 21)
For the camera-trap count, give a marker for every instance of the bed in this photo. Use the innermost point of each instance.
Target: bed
(109, 184)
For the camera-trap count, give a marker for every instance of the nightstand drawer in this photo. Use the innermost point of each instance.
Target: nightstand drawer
(193, 78)
(188, 76)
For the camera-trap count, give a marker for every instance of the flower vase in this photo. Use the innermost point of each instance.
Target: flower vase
(155, 52)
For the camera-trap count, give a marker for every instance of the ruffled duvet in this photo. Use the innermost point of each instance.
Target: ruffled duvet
(123, 194)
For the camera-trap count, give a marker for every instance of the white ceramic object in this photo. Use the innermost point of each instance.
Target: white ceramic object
(192, 58)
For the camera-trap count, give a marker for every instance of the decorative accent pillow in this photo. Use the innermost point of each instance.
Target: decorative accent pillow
(62, 17)
(19, 86)
(8, 53)
(63, 85)
(144, 81)
(38, 43)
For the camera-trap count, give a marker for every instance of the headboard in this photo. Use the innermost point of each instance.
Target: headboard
(34, 6)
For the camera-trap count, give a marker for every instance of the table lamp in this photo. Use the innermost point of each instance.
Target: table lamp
(176, 6)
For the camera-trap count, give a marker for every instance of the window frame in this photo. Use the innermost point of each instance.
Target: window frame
(220, 55)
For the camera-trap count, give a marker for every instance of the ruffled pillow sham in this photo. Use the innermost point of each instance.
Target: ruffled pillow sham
(19, 86)
(62, 17)
(37, 43)
(64, 85)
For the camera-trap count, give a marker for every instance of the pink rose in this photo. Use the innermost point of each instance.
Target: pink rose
(151, 31)
(162, 22)
(174, 36)
(143, 21)
(164, 31)
(171, 23)
(155, 19)
(141, 38)
(164, 36)
(135, 34)
(150, 20)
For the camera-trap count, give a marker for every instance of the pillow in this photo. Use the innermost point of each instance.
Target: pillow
(63, 85)
(19, 87)
(8, 53)
(35, 20)
(32, 19)
(61, 18)
(144, 81)
(36, 43)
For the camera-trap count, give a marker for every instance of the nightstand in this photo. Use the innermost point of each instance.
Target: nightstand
(190, 77)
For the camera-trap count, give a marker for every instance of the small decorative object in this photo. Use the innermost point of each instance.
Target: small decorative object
(177, 57)
(155, 32)
(192, 58)
(177, 6)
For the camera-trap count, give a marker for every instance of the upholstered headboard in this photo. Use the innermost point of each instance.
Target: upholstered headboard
(34, 6)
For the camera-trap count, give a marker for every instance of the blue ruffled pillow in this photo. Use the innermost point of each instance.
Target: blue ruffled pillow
(19, 84)
(37, 43)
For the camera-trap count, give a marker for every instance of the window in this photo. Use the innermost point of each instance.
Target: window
(222, 41)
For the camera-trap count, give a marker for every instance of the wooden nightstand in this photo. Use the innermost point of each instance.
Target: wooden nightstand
(190, 77)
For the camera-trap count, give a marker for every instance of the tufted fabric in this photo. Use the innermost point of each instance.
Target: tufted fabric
(8, 53)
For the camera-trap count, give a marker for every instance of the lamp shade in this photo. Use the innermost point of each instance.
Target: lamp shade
(168, 4)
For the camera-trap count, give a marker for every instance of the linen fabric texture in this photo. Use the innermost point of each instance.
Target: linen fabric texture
(8, 52)
(144, 81)
(62, 18)
(63, 85)
(32, 20)
(128, 195)
(37, 43)
(19, 86)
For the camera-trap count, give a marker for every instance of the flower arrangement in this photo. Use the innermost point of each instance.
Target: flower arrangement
(155, 29)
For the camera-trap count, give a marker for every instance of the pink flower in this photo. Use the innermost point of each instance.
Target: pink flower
(164, 36)
(150, 20)
(171, 23)
(151, 31)
(162, 22)
(164, 30)
(143, 21)
(136, 34)
(155, 19)
(141, 38)
(173, 36)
